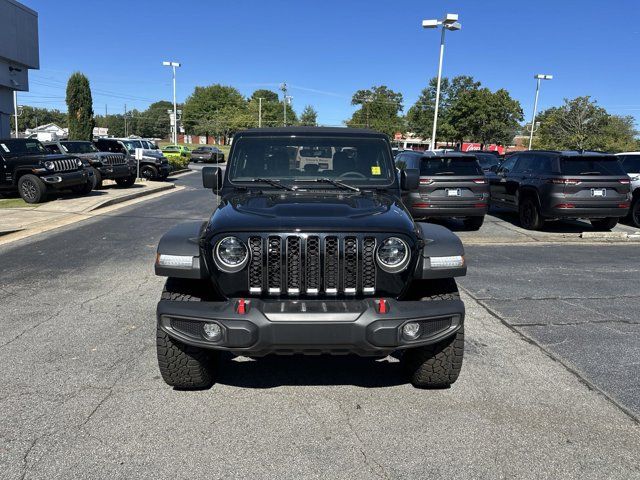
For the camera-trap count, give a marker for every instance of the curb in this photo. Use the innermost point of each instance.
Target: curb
(605, 235)
(131, 196)
(177, 172)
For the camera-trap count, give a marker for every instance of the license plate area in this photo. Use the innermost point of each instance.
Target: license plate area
(454, 192)
(598, 192)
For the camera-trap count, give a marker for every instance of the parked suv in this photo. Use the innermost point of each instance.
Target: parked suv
(631, 164)
(298, 262)
(452, 184)
(27, 166)
(153, 166)
(542, 185)
(104, 165)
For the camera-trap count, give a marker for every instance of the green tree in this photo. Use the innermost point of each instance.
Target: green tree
(32, 117)
(266, 95)
(154, 121)
(79, 108)
(309, 117)
(420, 115)
(380, 109)
(582, 124)
(218, 110)
(272, 111)
(485, 116)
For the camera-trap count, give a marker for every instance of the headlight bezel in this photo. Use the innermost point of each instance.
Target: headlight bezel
(49, 165)
(226, 266)
(396, 267)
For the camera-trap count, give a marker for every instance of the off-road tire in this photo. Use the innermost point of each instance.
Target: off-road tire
(149, 172)
(437, 365)
(634, 212)
(125, 182)
(529, 212)
(97, 179)
(32, 189)
(183, 366)
(473, 224)
(604, 224)
(84, 189)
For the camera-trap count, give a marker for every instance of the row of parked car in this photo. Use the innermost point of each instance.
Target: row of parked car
(204, 153)
(35, 169)
(538, 185)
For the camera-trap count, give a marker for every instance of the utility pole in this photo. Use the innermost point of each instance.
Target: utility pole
(15, 110)
(538, 77)
(125, 119)
(283, 87)
(259, 112)
(106, 114)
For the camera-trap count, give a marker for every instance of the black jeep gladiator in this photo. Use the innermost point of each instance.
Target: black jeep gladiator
(26, 166)
(310, 260)
(104, 165)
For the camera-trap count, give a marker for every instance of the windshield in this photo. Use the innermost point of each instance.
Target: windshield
(79, 147)
(591, 166)
(354, 160)
(22, 146)
(131, 145)
(449, 166)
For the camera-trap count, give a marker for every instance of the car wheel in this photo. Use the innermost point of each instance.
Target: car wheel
(83, 189)
(473, 223)
(32, 189)
(149, 172)
(634, 212)
(604, 224)
(126, 181)
(97, 179)
(530, 218)
(181, 365)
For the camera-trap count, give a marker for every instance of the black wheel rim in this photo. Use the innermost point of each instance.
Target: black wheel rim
(28, 190)
(147, 173)
(636, 213)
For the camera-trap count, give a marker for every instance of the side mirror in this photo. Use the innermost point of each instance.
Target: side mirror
(493, 168)
(212, 178)
(409, 179)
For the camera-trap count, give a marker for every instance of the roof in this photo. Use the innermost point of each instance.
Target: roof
(311, 131)
(429, 153)
(628, 153)
(569, 153)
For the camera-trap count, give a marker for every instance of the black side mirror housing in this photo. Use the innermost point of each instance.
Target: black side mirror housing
(212, 178)
(409, 179)
(493, 168)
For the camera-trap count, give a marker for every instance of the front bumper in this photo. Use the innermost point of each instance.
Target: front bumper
(115, 171)
(66, 179)
(310, 327)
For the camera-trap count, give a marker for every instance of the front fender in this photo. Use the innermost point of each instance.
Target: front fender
(439, 242)
(183, 240)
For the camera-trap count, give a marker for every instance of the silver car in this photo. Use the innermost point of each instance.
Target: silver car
(631, 164)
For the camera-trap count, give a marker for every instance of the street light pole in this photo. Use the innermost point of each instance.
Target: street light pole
(259, 112)
(283, 87)
(538, 78)
(173, 65)
(449, 22)
(15, 111)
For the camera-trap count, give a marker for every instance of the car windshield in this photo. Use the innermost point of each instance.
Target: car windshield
(131, 145)
(586, 165)
(22, 146)
(449, 166)
(79, 147)
(351, 160)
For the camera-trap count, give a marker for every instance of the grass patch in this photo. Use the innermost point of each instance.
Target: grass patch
(13, 203)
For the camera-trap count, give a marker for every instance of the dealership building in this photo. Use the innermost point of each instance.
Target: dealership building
(18, 53)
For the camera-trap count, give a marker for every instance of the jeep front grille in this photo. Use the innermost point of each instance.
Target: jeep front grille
(114, 160)
(312, 265)
(65, 165)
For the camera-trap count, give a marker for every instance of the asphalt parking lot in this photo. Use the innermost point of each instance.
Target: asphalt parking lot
(549, 387)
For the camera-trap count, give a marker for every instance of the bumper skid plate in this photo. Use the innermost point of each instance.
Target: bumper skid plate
(310, 326)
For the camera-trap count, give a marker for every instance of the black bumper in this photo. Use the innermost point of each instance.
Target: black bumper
(450, 210)
(115, 171)
(66, 179)
(310, 327)
(585, 211)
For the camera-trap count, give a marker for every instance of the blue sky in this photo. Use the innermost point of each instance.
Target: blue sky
(326, 50)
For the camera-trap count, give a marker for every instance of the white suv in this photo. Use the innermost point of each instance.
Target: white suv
(631, 164)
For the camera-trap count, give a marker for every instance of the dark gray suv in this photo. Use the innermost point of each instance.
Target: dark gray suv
(452, 184)
(543, 185)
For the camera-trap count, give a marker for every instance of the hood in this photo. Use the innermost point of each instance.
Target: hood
(310, 211)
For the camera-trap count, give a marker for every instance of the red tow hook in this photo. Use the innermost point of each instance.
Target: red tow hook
(242, 306)
(383, 307)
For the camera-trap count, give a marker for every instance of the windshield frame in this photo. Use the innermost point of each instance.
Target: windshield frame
(311, 182)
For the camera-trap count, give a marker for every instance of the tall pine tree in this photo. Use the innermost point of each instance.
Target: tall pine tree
(79, 108)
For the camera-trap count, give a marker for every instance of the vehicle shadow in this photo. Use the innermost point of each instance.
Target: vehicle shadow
(275, 371)
(551, 226)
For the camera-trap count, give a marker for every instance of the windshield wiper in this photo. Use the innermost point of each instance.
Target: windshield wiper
(590, 173)
(273, 183)
(333, 182)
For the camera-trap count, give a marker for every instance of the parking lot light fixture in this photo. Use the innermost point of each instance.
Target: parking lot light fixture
(174, 65)
(449, 22)
(538, 78)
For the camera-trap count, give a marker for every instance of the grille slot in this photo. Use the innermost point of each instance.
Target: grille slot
(312, 265)
(114, 160)
(187, 327)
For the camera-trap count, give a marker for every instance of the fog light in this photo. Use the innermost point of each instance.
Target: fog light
(212, 331)
(411, 330)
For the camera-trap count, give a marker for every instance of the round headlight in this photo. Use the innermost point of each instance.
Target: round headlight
(49, 165)
(231, 255)
(79, 162)
(393, 255)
